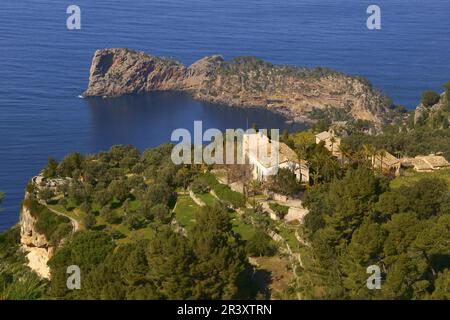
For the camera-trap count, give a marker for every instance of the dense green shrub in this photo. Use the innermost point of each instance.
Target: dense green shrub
(285, 183)
(430, 98)
(110, 216)
(415, 142)
(260, 244)
(9, 242)
(359, 221)
(134, 221)
(89, 221)
(17, 281)
(200, 185)
(86, 249)
(279, 209)
(161, 212)
(209, 264)
(50, 170)
(53, 226)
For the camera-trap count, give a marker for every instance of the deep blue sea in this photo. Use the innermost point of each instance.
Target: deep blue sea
(44, 66)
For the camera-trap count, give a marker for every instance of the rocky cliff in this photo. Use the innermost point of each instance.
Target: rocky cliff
(423, 113)
(36, 245)
(291, 91)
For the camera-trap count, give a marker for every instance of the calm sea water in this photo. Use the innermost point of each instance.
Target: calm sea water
(44, 67)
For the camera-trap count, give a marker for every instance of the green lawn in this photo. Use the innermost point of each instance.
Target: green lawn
(225, 193)
(185, 211)
(245, 230)
(207, 198)
(412, 177)
(288, 233)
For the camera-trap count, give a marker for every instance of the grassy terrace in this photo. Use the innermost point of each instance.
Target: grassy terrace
(185, 210)
(246, 231)
(207, 198)
(287, 231)
(411, 177)
(185, 213)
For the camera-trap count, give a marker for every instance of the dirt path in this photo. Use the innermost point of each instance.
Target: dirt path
(74, 223)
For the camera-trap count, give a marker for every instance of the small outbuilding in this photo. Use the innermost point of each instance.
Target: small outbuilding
(387, 163)
(428, 163)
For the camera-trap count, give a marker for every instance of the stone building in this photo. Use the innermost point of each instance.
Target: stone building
(387, 163)
(263, 167)
(428, 163)
(331, 142)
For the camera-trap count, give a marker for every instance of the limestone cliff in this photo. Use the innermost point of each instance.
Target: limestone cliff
(423, 113)
(116, 72)
(291, 91)
(37, 247)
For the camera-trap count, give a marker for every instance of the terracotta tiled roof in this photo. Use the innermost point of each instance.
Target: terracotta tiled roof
(436, 162)
(388, 159)
(426, 163)
(287, 154)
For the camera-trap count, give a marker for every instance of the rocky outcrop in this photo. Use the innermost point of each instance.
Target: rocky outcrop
(291, 91)
(37, 247)
(115, 72)
(28, 234)
(422, 112)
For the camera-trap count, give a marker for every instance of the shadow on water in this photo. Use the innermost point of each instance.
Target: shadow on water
(147, 120)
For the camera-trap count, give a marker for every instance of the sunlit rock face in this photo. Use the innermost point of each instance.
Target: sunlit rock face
(247, 82)
(37, 247)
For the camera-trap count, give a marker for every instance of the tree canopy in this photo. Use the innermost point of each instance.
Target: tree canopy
(359, 221)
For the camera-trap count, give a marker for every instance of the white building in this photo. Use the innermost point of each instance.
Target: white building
(257, 149)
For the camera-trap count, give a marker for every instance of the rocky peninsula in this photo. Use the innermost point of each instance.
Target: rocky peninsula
(247, 82)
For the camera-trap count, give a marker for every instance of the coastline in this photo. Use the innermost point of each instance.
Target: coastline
(246, 82)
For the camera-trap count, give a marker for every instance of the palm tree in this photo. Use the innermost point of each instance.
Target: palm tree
(315, 177)
(366, 149)
(369, 153)
(333, 141)
(255, 186)
(345, 152)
